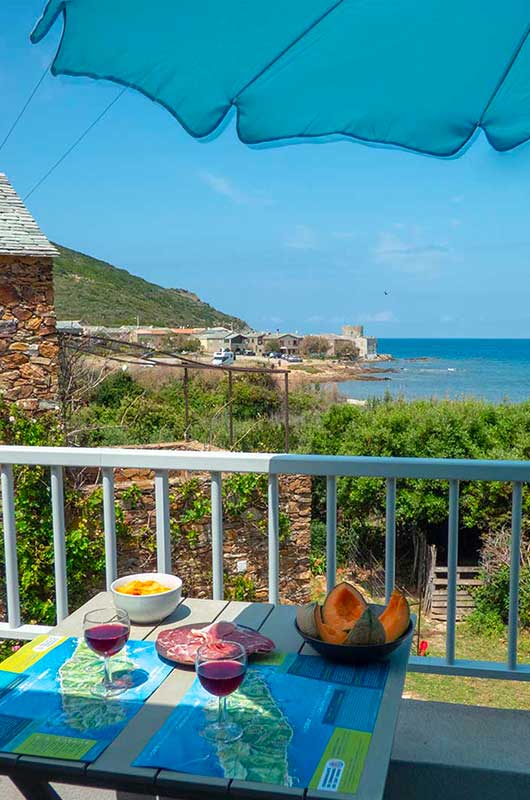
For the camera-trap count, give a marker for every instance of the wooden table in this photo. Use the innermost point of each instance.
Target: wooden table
(113, 770)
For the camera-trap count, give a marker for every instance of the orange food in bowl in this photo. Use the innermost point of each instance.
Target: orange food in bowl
(139, 588)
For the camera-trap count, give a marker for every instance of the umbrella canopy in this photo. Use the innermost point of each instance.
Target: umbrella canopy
(420, 74)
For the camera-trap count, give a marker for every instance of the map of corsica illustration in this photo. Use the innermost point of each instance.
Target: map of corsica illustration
(261, 755)
(77, 677)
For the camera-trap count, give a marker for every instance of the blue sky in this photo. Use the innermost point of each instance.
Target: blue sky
(304, 237)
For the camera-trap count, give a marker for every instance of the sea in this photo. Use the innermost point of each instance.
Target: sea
(497, 370)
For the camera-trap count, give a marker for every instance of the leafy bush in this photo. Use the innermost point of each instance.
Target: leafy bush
(33, 516)
(114, 389)
(492, 601)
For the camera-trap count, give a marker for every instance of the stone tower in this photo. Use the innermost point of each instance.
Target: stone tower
(28, 336)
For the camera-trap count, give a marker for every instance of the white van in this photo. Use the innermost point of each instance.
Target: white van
(223, 358)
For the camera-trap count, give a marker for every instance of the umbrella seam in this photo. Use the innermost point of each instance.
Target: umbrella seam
(285, 50)
(505, 73)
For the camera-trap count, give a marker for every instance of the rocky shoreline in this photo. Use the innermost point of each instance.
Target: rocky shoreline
(327, 372)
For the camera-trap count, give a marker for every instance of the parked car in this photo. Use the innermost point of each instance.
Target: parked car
(294, 359)
(249, 353)
(275, 355)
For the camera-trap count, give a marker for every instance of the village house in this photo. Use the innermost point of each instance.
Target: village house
(213, 339)
(289, 343)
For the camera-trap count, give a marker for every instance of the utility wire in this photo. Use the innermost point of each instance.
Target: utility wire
(24, 107)
(74, 145)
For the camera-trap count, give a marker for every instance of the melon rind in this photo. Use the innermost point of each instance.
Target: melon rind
(367, 630)
(305, 618)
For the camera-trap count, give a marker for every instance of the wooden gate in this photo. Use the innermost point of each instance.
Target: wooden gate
(466, 578)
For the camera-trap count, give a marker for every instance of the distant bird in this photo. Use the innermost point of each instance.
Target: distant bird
(386, 292)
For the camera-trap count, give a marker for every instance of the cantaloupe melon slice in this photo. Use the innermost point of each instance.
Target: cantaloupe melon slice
(326, 632)
(367, 630)
(305, 618)
(343, 606)
(396, 616)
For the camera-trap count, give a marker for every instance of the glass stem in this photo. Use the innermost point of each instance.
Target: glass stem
(107, 673)
(221, 719)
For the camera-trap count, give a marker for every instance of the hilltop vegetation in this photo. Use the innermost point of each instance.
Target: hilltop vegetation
(101, 294)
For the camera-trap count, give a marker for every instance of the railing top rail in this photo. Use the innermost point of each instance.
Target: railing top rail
(277, 464)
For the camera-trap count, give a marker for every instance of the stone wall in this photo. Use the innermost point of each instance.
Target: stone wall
(28, 337)
(245, 534)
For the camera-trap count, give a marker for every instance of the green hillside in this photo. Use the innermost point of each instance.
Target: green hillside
(101, 294)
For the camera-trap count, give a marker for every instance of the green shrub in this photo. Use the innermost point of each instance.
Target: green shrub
(492, 600)
(114, 389)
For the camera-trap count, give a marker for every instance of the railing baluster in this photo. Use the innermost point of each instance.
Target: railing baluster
(515, 561)
(10, 546)
(217, 536)
(331, 532)
(274, 540)
(59, 543)
(109, 526)
(390, 538)
(163, 531)
(452, 565)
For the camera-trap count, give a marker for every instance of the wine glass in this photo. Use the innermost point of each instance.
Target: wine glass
(106, 633)
(221, 667)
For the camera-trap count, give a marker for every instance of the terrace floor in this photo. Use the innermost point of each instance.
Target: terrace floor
(442, 751)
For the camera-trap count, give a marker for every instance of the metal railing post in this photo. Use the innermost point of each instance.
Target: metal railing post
(217, 536)
(274, 540)
(109, 526)
(10, 546)
(163, 531)
(59, 543)
(515, 562)
(331, 532)
(390, 538)
(452, 565)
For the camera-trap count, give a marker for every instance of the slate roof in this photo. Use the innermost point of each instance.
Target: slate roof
(19, 233)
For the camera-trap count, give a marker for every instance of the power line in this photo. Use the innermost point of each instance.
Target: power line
(24, 107)
(74, 145)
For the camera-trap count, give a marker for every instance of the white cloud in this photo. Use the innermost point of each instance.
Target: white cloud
(302, 238)
(223, 186)
(378, 316)
(410, 251)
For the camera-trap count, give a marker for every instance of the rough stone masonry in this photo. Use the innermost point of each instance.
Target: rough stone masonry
(28, 337)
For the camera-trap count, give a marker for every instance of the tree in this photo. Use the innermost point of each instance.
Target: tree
(180, 342)
(314, 345)
(272, 345)
(346, 349)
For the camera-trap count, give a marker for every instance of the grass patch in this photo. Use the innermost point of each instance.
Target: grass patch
(471, 691)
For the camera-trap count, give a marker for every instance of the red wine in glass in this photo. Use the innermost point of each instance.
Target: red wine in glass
(107, 639)
(221, 667)
(106, 633)
(221, 678)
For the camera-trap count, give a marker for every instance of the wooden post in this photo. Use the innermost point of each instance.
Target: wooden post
(186, 406)
(286, 411)
(230, 413)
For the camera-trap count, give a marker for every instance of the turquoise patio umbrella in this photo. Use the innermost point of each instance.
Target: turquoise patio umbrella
(424, 75)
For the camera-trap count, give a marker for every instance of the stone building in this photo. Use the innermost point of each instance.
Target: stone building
(28, 336)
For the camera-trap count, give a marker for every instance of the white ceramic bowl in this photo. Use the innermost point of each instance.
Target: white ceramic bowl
(148, 607)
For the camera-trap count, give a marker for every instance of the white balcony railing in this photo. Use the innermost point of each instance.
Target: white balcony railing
(331, 467)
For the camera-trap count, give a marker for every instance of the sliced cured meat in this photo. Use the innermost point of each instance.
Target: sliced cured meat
(181, 644)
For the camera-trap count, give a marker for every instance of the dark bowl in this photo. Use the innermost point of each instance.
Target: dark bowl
(357, 653)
